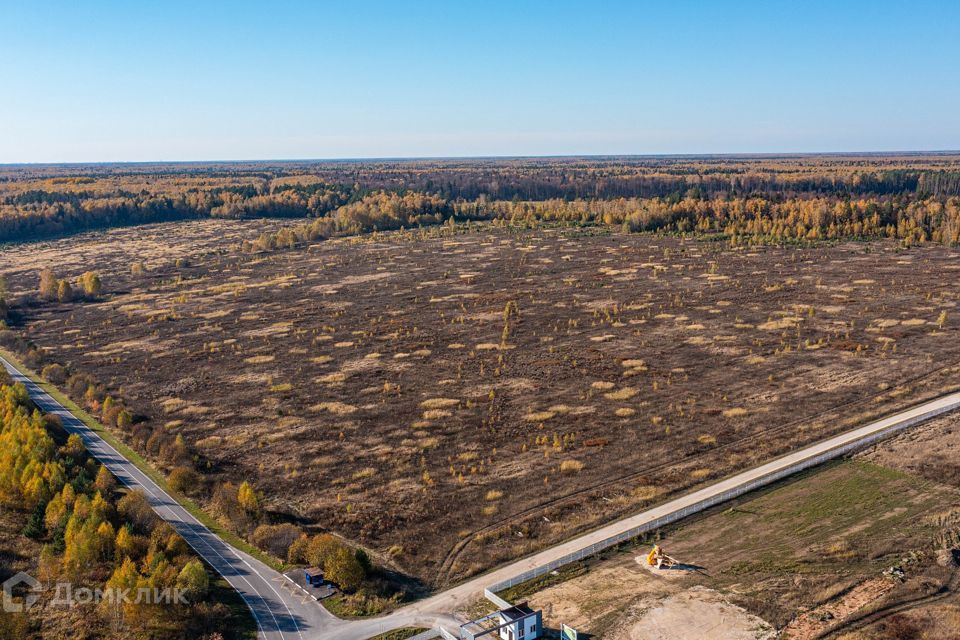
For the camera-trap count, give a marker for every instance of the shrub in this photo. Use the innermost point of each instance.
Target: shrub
(276, 539)
(321, 548)
(183, 480)
(247, 498)
(48, 284)
(124, 419)
(90, 284)
(74, 447)
(226, 504)
(105, 482)
(175, 452)
(54, 374)
(343, 569)
(64, 291)
(136, 510)
(194, 581)
(297, 552)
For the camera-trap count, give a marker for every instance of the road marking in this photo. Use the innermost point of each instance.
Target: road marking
(133, 477)
(869, 433)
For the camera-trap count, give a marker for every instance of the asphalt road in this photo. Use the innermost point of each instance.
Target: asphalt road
(461, 595)
(281, 609)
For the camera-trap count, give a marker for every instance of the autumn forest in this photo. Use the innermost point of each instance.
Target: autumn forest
(914, 198)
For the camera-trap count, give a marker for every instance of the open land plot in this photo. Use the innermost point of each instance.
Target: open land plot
(931, 451)
(114, 252)
(457, 397)
(802, 558)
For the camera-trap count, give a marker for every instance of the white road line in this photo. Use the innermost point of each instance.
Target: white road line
(96, 444)
(134, 478)
(447, 600)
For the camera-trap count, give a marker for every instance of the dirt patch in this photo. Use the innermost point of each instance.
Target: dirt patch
(576, 379)
(811, 624)
(693, 614)
(803, 556)
(597, 600)
(930, 451)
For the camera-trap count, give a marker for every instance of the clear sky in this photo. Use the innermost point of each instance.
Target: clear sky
(128, 80)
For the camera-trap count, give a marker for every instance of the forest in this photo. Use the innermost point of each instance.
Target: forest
(784, 198)
(88, 532)
(333, 400)
(41, 482)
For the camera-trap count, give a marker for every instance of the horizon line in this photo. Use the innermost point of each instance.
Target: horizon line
(354, 159)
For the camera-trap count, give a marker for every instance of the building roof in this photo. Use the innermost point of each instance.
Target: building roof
(313, 572)
(516, 612)
(492, 622)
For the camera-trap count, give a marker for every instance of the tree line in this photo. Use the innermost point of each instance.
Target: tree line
(94, 535)
(238, 508)
(43, 202)
(757, 219)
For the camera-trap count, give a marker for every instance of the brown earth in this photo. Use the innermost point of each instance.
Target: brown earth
(806, 557)
(930, 451)
(453, 398)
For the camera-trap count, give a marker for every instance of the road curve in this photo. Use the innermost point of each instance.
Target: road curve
(461, 595)
(280, 610)
(282, 613)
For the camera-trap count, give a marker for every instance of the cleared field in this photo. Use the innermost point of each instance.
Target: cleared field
(457, 397)
(931, 451)
(802, 558)
(114, 252)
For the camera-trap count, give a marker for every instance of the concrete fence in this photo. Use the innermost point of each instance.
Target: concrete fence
(446, 634)
(593, 549)
(495, 599)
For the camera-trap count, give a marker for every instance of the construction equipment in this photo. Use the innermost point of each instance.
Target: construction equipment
(657, 558)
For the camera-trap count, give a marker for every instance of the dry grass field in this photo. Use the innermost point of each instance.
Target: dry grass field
(808, 558)
(801, 559)
(455, 397)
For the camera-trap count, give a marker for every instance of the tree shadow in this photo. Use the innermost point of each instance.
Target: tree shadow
(683, 566)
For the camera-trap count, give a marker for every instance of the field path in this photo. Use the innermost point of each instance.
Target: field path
(282, 613)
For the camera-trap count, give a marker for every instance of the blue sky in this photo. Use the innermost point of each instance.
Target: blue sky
(172, 80)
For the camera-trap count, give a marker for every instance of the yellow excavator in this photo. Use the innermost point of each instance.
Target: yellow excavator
(657, 558)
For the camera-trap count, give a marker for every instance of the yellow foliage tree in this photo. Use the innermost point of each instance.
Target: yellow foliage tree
(248, 499)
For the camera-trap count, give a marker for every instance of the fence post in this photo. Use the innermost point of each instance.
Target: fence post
(711, 501)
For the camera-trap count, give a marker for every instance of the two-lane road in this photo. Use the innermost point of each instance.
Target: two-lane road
(281, 611)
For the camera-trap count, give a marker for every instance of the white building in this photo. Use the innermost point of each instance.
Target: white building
(519, 622)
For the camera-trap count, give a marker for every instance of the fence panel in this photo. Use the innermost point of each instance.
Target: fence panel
(711, 501)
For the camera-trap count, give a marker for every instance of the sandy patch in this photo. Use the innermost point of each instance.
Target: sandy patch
(361, 279)
(693, 614)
